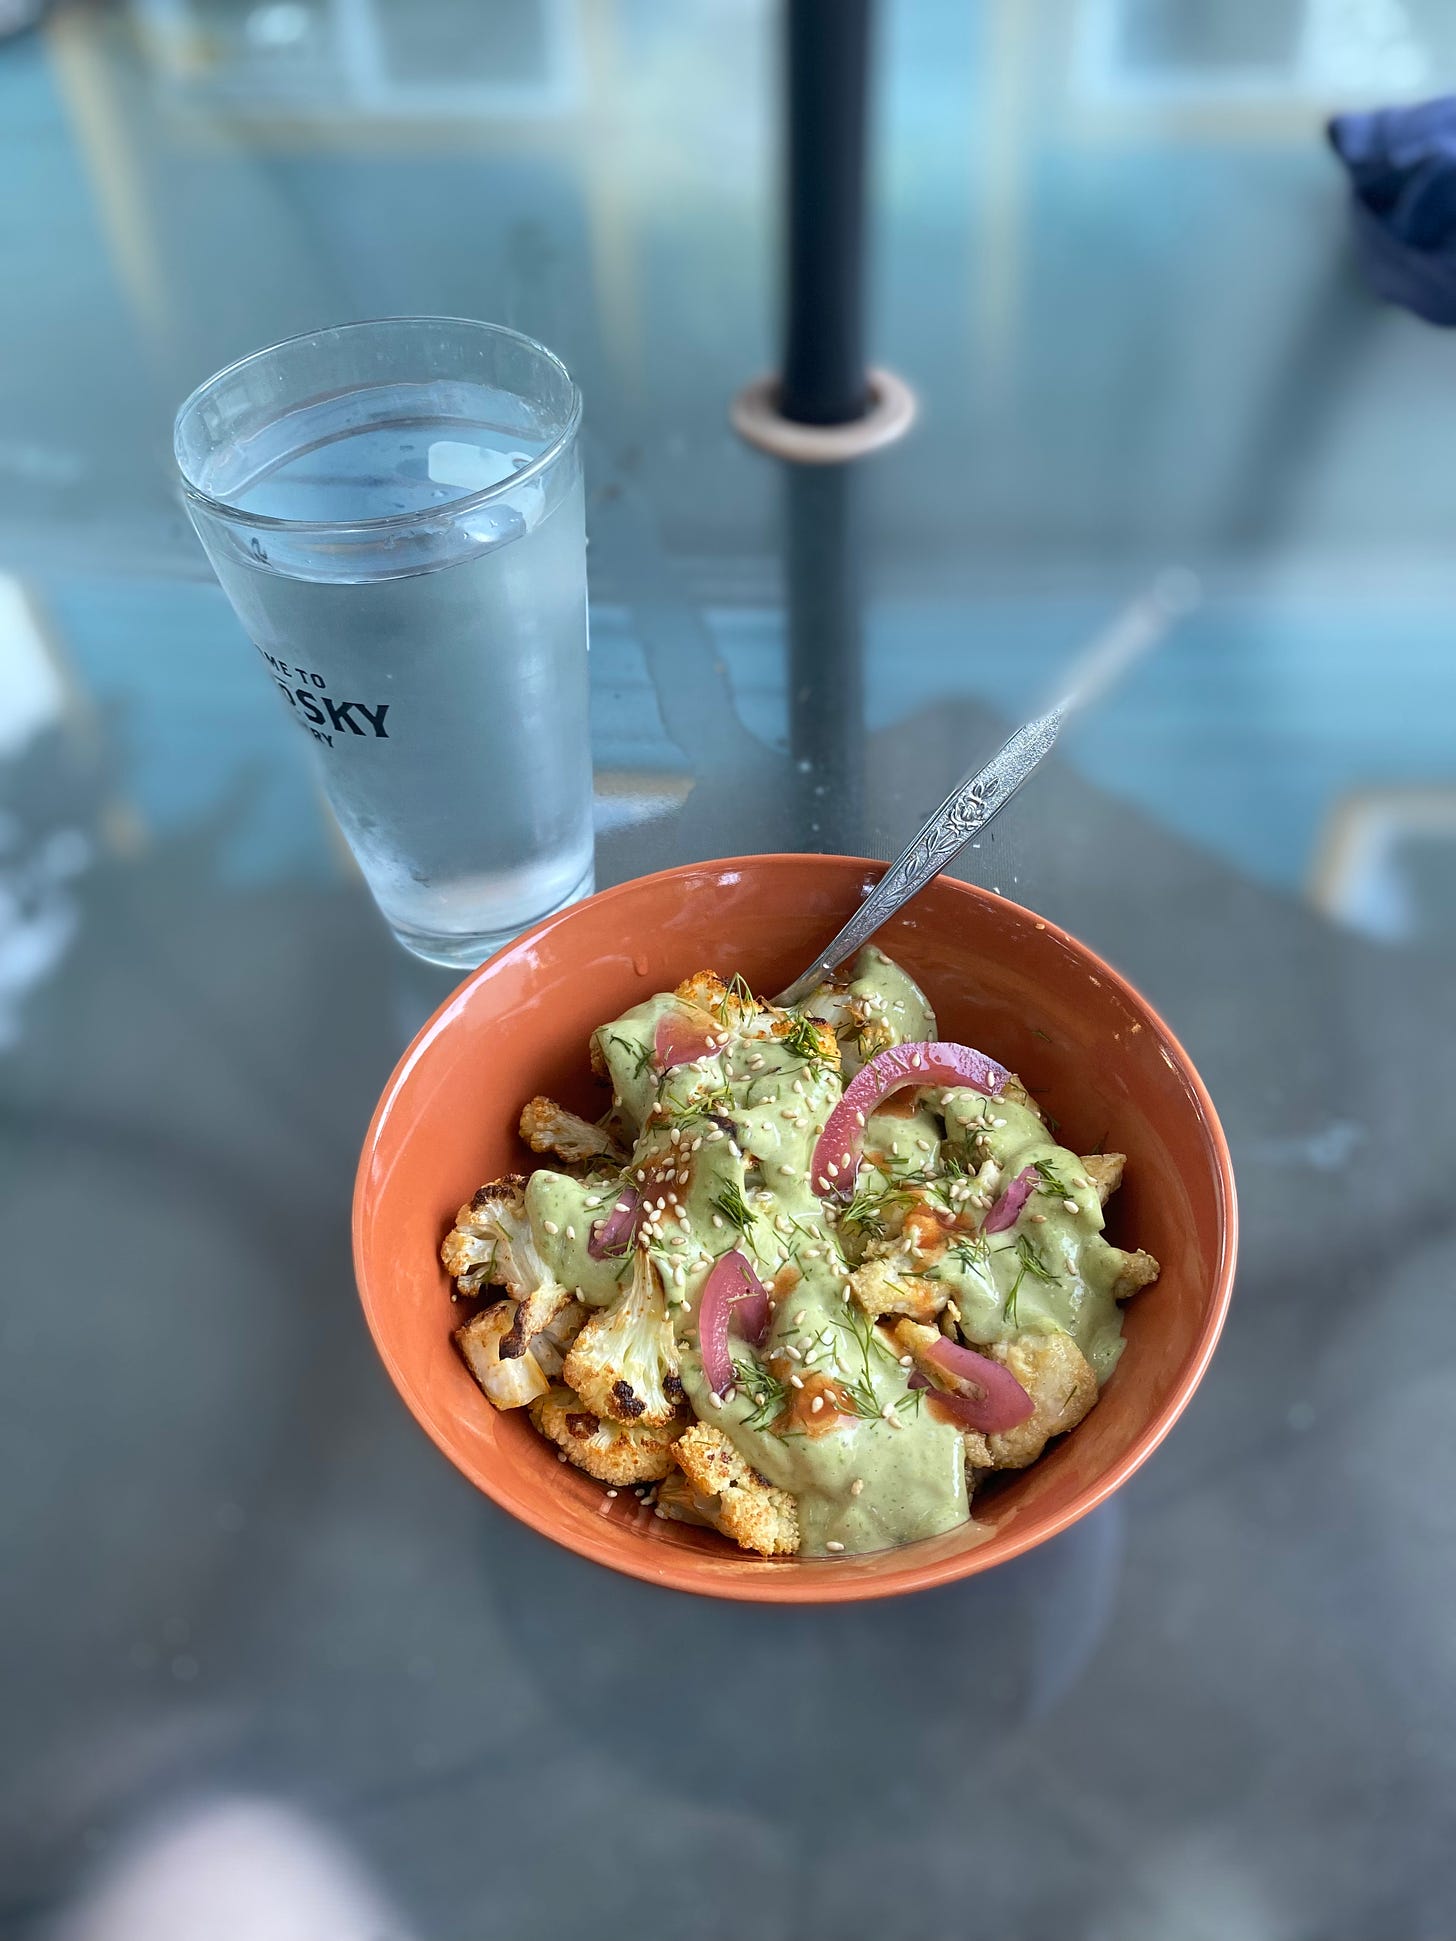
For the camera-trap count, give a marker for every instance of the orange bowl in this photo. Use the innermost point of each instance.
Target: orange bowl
(1092, 1050)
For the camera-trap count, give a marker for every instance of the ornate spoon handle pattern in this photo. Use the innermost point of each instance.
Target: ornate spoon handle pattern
(974, 801)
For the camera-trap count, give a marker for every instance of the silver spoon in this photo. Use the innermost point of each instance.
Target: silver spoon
(978, 798)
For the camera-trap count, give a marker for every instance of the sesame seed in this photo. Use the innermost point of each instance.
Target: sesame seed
(735, 1149)
(800, 1317)
(895, 1422)
(593, 1204)
(661, 1201)
(788, 1172)
(716, 1400)
(832, 1170)
(782, 1223)
(832, 1545)
(823, 1184)
(550, 1226)
(1085, 1182)
(924, 1144)
(697, 1144)
(798, 1086)
(793, 1353)
(1037, 1219)
(562, 1456)
(816, 1405)
(679, 1277)
(660, 1514)
(845, 1297)
(907, 1361)
(796, 1381)
(718, 1220)
(757, 1062)
(729, 1393)
(625, 1206)
(857, 1486)
(888, 1411)
(1070, 1205)
(917, 1061)
(611, 1492)
(844, 1160)
(998, 1122)
(640, 1175)
(675, 1136)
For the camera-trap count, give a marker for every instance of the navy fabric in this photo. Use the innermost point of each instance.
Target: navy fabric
(1402, 168)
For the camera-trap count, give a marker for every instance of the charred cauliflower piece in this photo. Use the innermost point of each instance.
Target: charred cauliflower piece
(735, 1497)
(888, 1283)
(491, 1245)
(509, 1381)
(1104, 1169)
(624, 1363)
(610, 1451)
(1060, 1381)
(549, 1127)
(1137, 1271)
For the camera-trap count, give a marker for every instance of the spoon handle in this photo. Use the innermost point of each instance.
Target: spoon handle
(971, 804)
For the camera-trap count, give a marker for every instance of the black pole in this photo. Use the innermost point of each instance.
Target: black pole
(826, 654)
(827, 56)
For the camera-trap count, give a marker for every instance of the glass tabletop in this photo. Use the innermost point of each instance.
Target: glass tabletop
(271, 1667)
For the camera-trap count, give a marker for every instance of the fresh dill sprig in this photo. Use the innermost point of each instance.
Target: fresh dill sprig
(1052, 1180)
(1033, 1263)
(866, 1211)
(734, 1208)
(802, 1039)
(641, 1053)
(1029, 1261)
(972, 1251)
(764, 1390)
(860, 1385)
(738, 988)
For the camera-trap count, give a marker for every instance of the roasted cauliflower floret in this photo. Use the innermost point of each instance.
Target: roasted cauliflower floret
(491, 1245)
(550, 1345)
(735, 1497)
(1060, 1381)
(730, 1004)
(1137, 1271)
(624, 1363)
(888, 1283)
(549, 1127)
(613, 1452)
(509, 1381)
(681, 1503)
(1104, 1169)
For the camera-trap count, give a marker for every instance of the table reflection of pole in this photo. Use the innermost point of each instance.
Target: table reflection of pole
(825, 654)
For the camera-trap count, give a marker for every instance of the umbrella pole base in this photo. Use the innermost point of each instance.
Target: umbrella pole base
(755, 415)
